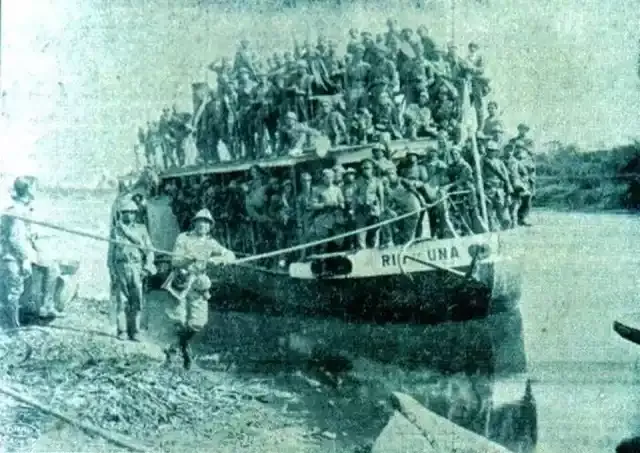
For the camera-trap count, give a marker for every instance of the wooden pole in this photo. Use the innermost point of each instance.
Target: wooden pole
(90, 429)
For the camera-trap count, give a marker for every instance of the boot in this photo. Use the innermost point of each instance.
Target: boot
(185, 337)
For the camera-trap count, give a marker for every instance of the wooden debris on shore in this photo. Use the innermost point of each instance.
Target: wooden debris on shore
(413, 428)
(124, 390)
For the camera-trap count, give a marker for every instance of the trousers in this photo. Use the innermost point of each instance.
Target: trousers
(129, 294)
(11, 289)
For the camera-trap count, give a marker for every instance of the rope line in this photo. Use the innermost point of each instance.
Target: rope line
(245, 259)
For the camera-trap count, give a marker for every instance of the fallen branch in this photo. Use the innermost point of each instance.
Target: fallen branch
(111, 437)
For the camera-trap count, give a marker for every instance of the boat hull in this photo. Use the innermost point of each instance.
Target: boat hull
(491, 345)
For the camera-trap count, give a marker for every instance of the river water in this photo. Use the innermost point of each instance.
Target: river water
(580, 273)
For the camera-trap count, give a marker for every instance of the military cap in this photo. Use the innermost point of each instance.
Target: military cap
(482, 136)
(410, 152)
(287, 182)
(493, 146)
(523, 127)
(328, 172)
(473, 45)
(291, 116)
(201, 283)
(432, 150)
(203, 214)
(365, 161)
(350, 171)
(128, 206)
(302, 64)
(338, 168)
(243, 70)
(377, 147)
(273, 181)
(305, 176)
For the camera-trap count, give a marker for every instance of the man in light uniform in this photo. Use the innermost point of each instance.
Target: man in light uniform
(192, 253)
(369, 205)
(19, 253)
(497, 187)
(130, 260)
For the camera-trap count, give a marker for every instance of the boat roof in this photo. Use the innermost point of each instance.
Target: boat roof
(343, 155)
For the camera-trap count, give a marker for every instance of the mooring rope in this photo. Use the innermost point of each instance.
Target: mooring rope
(246, 259)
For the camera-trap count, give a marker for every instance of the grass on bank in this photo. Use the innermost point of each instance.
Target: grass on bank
(606, 179)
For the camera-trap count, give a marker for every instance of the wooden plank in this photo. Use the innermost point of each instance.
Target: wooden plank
(401, 436)
(441, 433)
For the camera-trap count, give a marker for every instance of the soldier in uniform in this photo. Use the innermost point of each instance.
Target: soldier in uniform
(357, 75)
(304, 199)
(401, 199)
(192, 253)
(516, 171)
(419, 120)
(497, 187)
(362, 130)
(523, 138)
(131, 260)
(293, 134)
(493, 125)
(528, 172)
(246, 115)
(385, 116)
(327, 205)
(380, 162)
(461, 178)
(354, 41)
(330, 123)
(479, 84)
(19, 253)
(369, 204)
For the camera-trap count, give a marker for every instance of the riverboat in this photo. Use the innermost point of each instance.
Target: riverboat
(464, 288)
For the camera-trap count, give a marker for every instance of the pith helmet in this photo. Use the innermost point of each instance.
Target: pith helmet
(128, 206)
(21, 185)
(203, 214)
(201, 283)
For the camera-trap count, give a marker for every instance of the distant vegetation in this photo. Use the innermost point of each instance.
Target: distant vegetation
(607, 179)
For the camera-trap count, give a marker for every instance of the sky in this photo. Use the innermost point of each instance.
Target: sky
(80, 76)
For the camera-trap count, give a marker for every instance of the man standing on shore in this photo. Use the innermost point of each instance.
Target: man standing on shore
(130, 259)
(193, 252)
(19, 253)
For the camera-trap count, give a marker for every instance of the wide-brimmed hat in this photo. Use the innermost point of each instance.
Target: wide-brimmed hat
(203, 214)
(128, 205)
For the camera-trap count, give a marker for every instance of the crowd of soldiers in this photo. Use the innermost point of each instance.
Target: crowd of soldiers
(285, 212)
(394, 85)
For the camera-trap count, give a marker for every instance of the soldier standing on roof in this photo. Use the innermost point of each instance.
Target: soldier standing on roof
(130, 258)
(192, 253)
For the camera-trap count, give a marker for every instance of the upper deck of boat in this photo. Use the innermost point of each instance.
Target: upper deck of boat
(343, 155)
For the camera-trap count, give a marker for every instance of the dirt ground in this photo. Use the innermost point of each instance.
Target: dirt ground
(77, 367)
